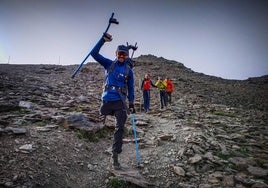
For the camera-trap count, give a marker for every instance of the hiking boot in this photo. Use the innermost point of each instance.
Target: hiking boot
(116, 164)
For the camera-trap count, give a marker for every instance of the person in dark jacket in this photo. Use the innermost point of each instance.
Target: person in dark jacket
(118, 87)
(146, 87)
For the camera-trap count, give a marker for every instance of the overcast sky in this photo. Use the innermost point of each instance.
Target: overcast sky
(225, 38)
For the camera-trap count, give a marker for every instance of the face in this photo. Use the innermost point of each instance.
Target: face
(121, 56)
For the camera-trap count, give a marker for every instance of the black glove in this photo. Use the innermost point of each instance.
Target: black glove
(132, 109)
(107, 37)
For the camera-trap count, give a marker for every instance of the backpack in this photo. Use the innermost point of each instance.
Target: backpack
(169, 87)
(146, 85)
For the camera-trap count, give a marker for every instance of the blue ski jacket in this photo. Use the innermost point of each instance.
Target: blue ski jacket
(115, 78)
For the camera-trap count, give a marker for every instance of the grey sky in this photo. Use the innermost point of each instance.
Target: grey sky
(225, 38)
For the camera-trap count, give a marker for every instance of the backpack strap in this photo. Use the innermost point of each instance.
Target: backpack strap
(111, 68)
(126, 73)
(121, 90)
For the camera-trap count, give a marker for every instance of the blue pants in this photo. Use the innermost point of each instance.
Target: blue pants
(146, 100)
(117, 109)
(163, 98)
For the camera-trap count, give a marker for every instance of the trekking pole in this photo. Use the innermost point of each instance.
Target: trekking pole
(134, 48)
(130, 61)
(136, 141)
(111, 20)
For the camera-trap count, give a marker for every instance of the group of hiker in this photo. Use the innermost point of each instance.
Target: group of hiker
(165, 87)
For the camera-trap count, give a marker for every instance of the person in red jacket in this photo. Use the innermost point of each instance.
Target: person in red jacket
(169, 89)
(146, 87)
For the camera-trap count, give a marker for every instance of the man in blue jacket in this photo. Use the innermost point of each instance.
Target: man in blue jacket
(119, 85)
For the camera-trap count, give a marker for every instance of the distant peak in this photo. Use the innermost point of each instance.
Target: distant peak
(153, 58)
(150, 57)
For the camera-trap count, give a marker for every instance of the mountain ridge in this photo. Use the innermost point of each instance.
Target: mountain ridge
(214, 134)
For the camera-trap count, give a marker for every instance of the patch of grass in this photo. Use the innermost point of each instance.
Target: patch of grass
(226, 157)
(22, 122)
(42, 123)
(103, 133)
(91, 136)
(20, 111)
(223, 156)
(244, 151)
(114, 182)
(81, 134)
(261, 162)
(232, 166)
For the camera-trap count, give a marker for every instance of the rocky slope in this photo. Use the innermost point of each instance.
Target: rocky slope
(214, 134)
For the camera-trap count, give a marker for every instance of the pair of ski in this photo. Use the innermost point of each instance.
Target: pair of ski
(112, 20)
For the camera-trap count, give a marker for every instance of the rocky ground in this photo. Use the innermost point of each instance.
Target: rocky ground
(214, 134)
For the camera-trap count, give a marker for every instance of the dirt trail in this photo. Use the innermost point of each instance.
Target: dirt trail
(214, 135)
